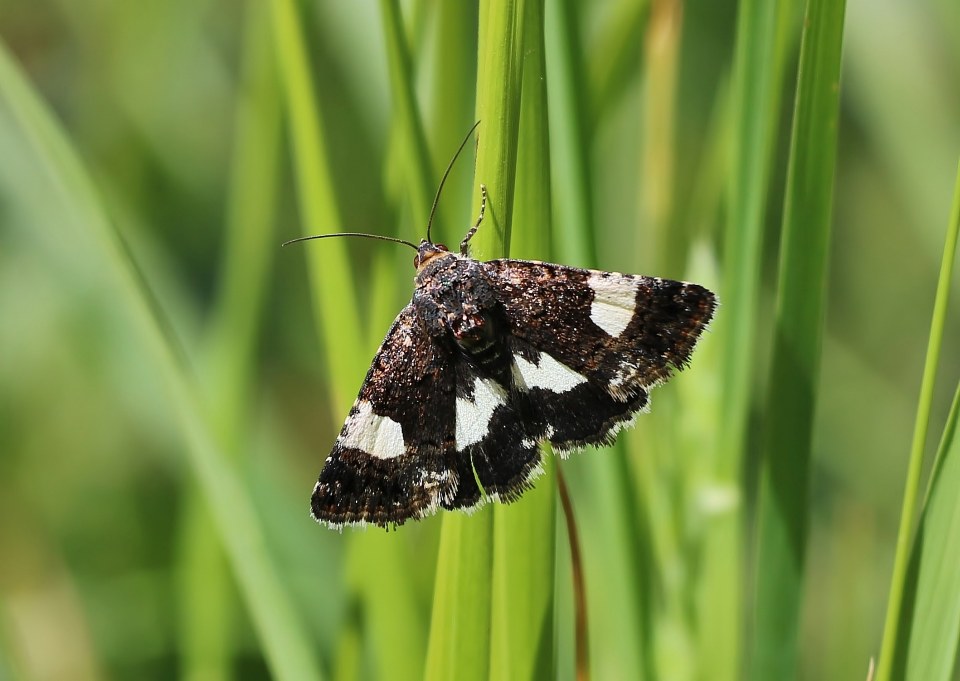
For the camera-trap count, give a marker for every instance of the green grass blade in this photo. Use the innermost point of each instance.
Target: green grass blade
(755, 108)
(421, 187)
(523, 533)
(381, 574)
(499, 80)
(664, 247)
(532, 205)
(288, 652)
(898, 583)
(523, 583)
(335, 304)
(459, 644)
(250, 243)
(614, 533)
(573, 216)
(612, 66)
(718, 568)
(452, 109)
(935, 633)
(336, 312)
(206, 590)
(798, 337)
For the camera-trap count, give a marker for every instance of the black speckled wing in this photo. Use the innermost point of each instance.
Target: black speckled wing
(395, 457)
(589, 345)
(425, 428)
(488, 361)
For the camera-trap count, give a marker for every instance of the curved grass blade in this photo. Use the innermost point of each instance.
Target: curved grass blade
(288, 651)
(893, 637)
(334, 300)
(934, 634)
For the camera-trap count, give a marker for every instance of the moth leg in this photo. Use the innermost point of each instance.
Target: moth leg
(476, 225)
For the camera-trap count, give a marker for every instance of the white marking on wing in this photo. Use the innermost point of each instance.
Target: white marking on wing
(614, 302)
(625, 372)
(430, 480)
(378, 436)
(473, 416)
(532, 442)
(546, 373)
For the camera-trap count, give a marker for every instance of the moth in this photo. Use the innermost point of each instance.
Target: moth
(487, 361)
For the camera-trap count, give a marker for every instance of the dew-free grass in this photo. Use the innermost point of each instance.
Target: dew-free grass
(346, 114)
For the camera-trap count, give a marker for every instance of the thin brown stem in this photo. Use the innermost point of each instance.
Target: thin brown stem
(582, 662)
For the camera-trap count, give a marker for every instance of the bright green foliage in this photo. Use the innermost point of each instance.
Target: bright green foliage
(284, 642)
(171, 380)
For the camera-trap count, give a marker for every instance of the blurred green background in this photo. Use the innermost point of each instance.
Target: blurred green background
(110, 565)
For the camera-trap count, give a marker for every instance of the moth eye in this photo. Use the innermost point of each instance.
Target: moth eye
(442, 247)
(416, 261)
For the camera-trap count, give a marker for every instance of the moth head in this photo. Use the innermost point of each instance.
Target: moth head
(427, 252)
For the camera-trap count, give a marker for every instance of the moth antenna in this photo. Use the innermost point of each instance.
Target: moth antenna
(443, 179)
(476, 225)
(360, 234)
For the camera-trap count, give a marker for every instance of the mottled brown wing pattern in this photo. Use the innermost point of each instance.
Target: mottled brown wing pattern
(625, 332)
(599, 341)
(489, 360)
(395, 457)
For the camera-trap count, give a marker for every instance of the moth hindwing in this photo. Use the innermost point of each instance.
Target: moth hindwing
(487, 361)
